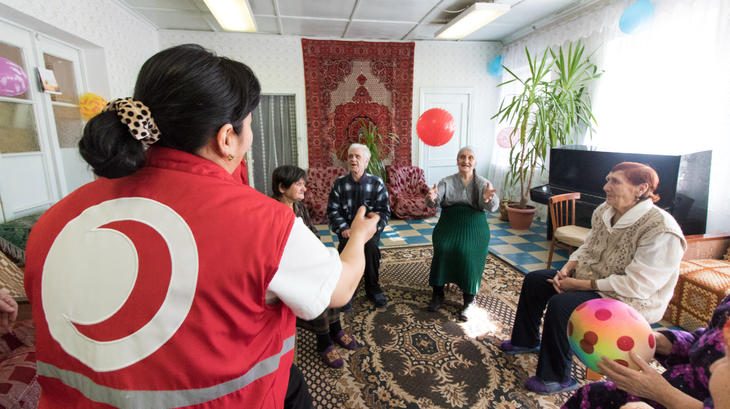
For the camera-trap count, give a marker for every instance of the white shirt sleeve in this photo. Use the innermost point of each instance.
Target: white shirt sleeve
(307, 276)
(655, 262)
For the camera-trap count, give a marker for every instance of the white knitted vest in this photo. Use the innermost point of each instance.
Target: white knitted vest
(610, 253)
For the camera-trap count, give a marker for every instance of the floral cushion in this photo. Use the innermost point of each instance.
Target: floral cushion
(319, 184)
(19, 386)
(407, 191)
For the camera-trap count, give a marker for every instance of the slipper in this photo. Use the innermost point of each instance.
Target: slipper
(537, 385)
(331, 357)
(345, 340)
(507, 347)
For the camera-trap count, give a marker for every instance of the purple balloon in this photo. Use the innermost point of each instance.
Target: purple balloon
(13, 80)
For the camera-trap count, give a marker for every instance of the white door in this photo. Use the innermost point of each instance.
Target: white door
(439, 162)
(27, 179)
(66, 122)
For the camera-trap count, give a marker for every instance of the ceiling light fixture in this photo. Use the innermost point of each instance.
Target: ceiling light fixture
(472, 19)
(233, 15)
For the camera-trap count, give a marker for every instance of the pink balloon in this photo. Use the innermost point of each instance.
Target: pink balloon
(13, 80)
(504, 140)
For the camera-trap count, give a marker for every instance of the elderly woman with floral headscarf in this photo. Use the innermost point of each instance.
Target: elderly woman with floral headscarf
(461, 237)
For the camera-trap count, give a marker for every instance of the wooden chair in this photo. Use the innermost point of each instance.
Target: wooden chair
(566, 234)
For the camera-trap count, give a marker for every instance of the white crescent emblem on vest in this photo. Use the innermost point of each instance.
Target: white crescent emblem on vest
(90, 272)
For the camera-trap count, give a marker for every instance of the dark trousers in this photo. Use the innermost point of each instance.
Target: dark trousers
(555, 357)
(372, 264)
(297, 393)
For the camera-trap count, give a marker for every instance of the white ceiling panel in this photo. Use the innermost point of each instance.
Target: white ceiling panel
(210, 18)
(176, 20)
(200, 4)
(163, 4)
(267, 25)
(262, 7)
(367, 19)
(389, 10)
(340, 9)
(313, 27)
(380, 31)
(424, 32)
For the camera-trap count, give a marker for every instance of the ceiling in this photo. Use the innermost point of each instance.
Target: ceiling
(354, 19)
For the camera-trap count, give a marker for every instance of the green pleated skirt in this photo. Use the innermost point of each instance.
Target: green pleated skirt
(460, 248)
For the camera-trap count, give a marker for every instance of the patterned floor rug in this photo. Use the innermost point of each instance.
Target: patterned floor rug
(411, 358)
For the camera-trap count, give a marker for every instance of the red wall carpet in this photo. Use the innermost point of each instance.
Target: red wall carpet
(349, 80)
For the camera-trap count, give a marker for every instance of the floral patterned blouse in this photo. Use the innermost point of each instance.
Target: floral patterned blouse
(688, 365)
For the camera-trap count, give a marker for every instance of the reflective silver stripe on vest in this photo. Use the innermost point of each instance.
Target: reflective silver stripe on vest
(163, 399)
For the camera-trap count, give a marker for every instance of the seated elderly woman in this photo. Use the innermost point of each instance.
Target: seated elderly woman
(688, 358)
(461, 237)
(631, 254)
(287, 183)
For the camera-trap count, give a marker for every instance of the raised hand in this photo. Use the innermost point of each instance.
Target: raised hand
(488, 192)
(433, 194)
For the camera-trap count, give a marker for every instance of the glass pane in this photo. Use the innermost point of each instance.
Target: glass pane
(17, 128)
(69, 125)
(63, 70)
(15, 55)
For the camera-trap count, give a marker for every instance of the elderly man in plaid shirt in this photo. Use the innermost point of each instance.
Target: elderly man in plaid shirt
(348, 193)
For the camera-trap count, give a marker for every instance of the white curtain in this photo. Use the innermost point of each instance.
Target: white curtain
(274, 129)
(665, 90)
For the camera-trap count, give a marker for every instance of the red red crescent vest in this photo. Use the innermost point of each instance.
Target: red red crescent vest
(229, 350)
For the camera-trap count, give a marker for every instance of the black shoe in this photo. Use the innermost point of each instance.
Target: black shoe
(379, 300)
(466, 310)
(347, 307)
(435, 303)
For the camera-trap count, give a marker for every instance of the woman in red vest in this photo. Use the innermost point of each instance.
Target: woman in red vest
(168, 283)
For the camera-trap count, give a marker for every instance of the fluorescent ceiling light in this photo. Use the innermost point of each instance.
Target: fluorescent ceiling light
(232, 15)
(472, 19)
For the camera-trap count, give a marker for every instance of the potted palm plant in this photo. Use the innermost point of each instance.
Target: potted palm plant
(369, 135)
(546, 114)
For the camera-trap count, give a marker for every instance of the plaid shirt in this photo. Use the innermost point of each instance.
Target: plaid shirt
(347, 196)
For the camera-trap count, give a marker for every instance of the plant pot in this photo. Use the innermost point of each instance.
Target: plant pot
(503, 215)
(520, 219)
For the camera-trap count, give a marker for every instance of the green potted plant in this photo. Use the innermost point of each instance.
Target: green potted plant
(545, 114)
(370, 136)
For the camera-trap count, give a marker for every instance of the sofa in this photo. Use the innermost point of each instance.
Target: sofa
(704, 280)
(407, 191)
(319, 184)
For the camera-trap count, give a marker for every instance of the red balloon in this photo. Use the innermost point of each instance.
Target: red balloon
(435, 127)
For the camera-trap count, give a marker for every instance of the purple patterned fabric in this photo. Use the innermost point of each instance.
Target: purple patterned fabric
(687, 367)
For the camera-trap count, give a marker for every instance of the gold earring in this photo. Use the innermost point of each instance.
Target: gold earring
(230, 157)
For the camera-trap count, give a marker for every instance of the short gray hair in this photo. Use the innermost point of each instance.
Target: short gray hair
(366, 151)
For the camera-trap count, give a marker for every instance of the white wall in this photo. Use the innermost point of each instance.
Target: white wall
(278, 63)
(460, 65)
(126, 41)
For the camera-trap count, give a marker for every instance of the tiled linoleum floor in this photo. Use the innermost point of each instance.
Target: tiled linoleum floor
(526, 250)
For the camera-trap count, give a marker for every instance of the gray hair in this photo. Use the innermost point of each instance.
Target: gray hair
(366, 151)
(468, 148)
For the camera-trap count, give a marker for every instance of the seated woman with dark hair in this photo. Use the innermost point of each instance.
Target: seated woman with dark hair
(688, 359)
(631, 254)
(287, 183)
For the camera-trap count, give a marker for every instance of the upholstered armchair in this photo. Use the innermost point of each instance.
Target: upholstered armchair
(407, 190)
(319, 184)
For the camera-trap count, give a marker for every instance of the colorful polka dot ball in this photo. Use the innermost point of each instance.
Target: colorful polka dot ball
(607, 327)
